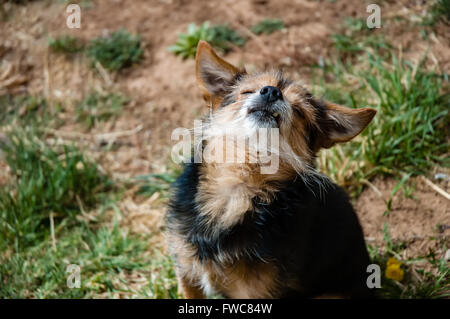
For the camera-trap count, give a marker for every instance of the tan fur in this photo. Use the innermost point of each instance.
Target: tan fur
(226, 192)
(258, 280)
(189, 290)
(234, 279)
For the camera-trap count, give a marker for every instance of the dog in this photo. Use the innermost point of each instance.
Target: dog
(237, 232)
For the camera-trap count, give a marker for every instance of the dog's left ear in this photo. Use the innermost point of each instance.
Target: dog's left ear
(340, 124)
(214, 75)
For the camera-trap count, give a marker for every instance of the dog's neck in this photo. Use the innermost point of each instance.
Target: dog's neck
(226, 191)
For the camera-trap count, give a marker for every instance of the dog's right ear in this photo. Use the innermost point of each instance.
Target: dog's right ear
(214, 75)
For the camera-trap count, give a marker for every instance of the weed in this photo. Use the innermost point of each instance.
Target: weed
(23, 110)
(355, 24)
(268, 26)
(219, 36)
(116, 51)
(349, 45)
(66, 44)
(417, 283)
(223, 36)
(99, 107)
(439, 11)
(399, 185)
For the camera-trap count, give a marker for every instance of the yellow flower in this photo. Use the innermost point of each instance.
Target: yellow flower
(393, 261)
(393, 271)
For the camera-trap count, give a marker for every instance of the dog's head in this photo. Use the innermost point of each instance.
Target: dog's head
(247, 102)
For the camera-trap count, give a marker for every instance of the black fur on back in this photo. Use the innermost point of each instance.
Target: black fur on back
(316, 241)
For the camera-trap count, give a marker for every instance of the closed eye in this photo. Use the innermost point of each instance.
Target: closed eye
(247, 92)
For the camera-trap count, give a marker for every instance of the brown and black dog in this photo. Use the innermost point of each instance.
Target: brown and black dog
(240, 233)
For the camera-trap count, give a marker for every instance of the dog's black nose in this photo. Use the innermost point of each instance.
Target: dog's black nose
(270, 93)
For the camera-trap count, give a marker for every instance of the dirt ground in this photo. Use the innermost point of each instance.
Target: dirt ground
(164, 93)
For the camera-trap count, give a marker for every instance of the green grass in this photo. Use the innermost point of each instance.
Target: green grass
(105, 257)
(408, 134)
(46, 180)
(56, 210)
(25, 110)
(357, 38)
(219, 36)
(151, 183)
(116, 51)
(417, 283)
(355, 24)
(439, 11)
(268, 26)
(59, 186)
(97, 107)
(66, 44)
(348, 46)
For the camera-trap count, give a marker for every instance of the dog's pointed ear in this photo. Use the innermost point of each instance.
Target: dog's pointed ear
(340, 124)
(214, 75)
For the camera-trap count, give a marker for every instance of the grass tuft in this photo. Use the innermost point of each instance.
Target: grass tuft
(46, 181)
(408, 134)
(66, 44)
(439, 11)
(99, 107)
(106, 258)
(219, 36)
(23, 110)
(268, 26)
(116, 51)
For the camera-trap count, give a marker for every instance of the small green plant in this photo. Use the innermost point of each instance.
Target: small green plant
(66, 44)
(417, 282)
(23, 109)
(440, 10)
(355, 24)
(223, 36)
(357, 38)
(350, 45)
(219, 36)
(46, 181)
(149, 184)
(99, 107)
(268, 26)
(116, 51)
(397, 187)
